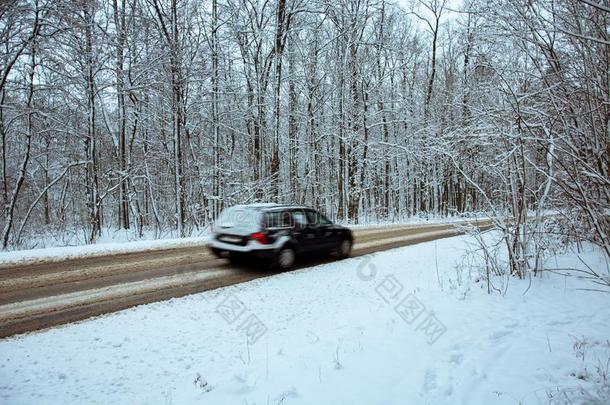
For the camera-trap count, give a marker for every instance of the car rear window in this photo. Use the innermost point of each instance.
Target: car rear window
(239, 217)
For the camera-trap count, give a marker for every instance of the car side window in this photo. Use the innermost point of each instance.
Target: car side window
(280, 219)
(299, 218)
(287, 219)
(314, 218)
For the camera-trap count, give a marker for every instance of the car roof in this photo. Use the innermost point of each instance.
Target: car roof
(271, 206)
(280, 207)
(256, 205)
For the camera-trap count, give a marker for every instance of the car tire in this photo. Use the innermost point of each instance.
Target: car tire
(217, 252)
(285, 258)
(236, 258)
(345, 249)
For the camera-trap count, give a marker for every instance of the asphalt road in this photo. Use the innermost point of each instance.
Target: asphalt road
(43, 294)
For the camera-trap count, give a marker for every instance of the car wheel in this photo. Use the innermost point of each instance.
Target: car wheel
(285, 258)
(236, 258)
(344, 249)
(217, 252)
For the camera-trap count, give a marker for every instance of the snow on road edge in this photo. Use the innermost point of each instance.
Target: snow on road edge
(18, 257)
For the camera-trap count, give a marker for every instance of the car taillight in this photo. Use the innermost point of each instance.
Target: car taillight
(260, 237)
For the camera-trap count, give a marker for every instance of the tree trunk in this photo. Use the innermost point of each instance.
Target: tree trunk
(119, 22)
(93, 195)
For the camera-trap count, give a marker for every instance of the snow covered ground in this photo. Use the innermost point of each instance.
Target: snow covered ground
(411, 325)
(100, 249)
(51, 237)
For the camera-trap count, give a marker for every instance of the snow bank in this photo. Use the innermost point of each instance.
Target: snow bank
(100, 249)
(421, 219)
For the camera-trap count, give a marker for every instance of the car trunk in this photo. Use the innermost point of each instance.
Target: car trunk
(235, 224)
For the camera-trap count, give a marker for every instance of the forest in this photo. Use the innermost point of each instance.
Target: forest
(154, 115)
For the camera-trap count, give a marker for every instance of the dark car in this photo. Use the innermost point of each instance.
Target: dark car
(277, 233)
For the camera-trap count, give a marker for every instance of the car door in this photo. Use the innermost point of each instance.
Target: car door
(321, 227)
(304, 235)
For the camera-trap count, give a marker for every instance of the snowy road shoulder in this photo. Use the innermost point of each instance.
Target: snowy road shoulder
(58, 254)
(404, 326)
